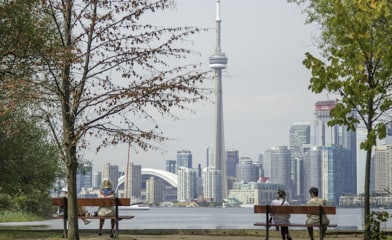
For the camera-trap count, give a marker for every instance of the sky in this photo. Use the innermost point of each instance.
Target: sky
(265, 85)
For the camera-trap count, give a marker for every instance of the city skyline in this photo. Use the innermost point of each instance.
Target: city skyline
(265, 87)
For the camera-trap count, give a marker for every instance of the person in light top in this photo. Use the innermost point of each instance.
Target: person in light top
(106, 191)
(281, 218)
(314, 220)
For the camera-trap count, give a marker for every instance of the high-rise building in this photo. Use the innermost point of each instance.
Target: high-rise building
(212, 180)
(232, 157)
(154, 190)
(184, 159)
(171, 166)
(361, 160)
(111, 172)
(187, 184)
(246, 171)
(335, 180)
(97, 180)
(338, 137)
(277, 162)
(133, 182)
(218, 62)
(312, 169)
(382, 168)
(299, 135)
(209, 156)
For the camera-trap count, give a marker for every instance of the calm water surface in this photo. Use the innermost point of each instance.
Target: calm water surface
(205, 218)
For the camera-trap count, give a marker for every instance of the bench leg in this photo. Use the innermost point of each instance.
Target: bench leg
(267, 233)
(65, 230)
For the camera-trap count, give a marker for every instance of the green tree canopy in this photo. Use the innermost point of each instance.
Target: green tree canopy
(355, 65)
(29, 165)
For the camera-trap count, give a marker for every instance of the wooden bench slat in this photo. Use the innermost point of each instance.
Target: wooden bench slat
(263, 224)
(100, 202)
(314, 210)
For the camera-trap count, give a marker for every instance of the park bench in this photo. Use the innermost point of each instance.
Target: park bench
(96, 202)
(313, 210)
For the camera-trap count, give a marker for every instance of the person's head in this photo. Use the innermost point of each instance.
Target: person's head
(106, 183)
(313, 191)
(281, 194)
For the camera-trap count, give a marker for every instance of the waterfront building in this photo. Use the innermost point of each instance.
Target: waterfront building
(253, 193)
(382, 168)
(111, 172)
(312, 169)
(335, 180)
(357, 201)
(299, 135)
(209, 156)
(232, 157)
(261, 165)
(187, 184)
(184, 159)
(133, 182)
(340, 138)
(246, 170)
(277, 163)
(154, 190)
(84, 179)
(171, 166)
(212, 180)
(361, 160)
(97, 180)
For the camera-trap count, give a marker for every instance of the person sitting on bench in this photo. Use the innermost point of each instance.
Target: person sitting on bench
(281, 218)
(106, 191)
(315, 219)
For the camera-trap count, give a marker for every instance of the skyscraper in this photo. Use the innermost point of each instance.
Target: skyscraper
(231, 162)
(299, 135)
(344, 142)
(212, 180)
(184, 159)
(187, 185)
(382, 168)
(218, 62)
(133, 182)
(277, 160)
(171, 166)
(111, 172)
(246, 171)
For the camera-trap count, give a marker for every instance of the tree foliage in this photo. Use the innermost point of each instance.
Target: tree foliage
(356, 65)
(28, 165)
(105, 72)
(24, 35)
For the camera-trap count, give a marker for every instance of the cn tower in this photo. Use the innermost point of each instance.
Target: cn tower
(218, 62)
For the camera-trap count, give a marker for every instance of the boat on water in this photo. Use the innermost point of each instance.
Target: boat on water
(134, 207)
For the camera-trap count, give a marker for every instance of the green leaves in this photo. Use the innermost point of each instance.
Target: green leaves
(356, 66)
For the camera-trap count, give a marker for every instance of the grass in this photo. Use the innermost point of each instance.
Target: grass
(16, 216)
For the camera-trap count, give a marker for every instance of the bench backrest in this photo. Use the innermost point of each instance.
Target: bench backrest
(101, 202)
(313, 210)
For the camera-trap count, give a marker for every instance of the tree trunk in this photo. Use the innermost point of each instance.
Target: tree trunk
(367, 194)
(73, 227)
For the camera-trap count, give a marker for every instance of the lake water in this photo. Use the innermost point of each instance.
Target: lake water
(204, 218)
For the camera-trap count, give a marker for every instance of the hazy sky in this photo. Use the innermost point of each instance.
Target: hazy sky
(265, 85)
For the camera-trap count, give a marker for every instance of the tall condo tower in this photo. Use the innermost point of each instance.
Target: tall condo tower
(218, 62)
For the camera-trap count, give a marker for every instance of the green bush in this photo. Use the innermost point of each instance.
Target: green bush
(375, 220)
